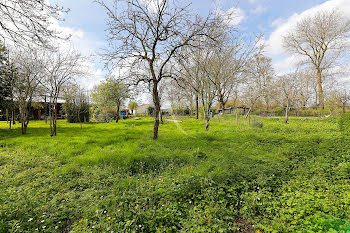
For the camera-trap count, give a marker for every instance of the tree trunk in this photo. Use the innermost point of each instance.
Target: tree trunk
(24, 125)
(24, 128)
(156, 103)
(197, 106)
(10, 118)
(246, 116)
(287, 112)
(51, 120)
(45, 111)
(344, 108)
(267, 102)
(7, 116)
(118, 108)
(24, 115)
(55, 119)
(222, 103)
(161, 117)
(320, 89)
(207, 119)
(316, 96)
(13, 117)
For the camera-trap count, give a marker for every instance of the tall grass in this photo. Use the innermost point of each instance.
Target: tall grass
(107, 177)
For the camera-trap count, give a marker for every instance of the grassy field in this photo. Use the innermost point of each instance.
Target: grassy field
(114, 178)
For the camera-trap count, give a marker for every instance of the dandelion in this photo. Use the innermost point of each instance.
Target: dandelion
(108, 218)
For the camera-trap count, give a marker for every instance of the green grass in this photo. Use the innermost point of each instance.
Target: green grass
(114, 177)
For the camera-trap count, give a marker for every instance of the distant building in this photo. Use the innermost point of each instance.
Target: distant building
(142, 109)
(39, 107)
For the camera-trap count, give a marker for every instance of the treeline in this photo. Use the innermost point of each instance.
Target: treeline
(236, 71)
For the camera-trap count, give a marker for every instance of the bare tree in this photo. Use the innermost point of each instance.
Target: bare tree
(190, 70)
(229, 62)
(187, 77)
(321, 39)
(207, 88)
(287, 92)
(181, 97)
(148, 34)
(28, 74)
(344, 98)
(29, 22)
(258, 80)
(250, 95)
(308, 85)
(338, 97)
(61, 67)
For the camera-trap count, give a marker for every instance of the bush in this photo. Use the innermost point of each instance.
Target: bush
(150, 110)
(77, 106)
(103, 115)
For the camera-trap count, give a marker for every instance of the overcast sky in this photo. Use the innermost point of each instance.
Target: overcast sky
(86, 22)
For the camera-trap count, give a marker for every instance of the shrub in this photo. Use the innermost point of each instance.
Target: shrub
(77, 106)
(150, 110)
